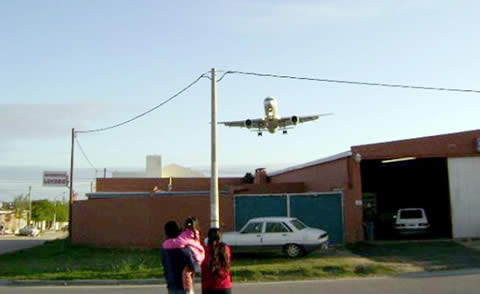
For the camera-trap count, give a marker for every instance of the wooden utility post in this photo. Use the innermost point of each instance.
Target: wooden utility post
(29, 215)
(70, 206)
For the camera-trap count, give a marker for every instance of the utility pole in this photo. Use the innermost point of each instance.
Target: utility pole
(71, 188)
(55, 215)
(214, 210)
(29, 216)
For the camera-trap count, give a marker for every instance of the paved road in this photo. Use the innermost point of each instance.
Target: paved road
(460, 284)
(15, 243)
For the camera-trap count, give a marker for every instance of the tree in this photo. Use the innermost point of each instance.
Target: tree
(62, 211)
(45, 210)
(42, 210)
(20, 205)
(248, 178)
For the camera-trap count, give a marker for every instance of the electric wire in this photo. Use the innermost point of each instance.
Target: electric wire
(203, 75)
(224, 74)
(349, 82)
(85, 155)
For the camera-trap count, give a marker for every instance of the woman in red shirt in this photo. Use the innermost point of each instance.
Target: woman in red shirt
(216, 274)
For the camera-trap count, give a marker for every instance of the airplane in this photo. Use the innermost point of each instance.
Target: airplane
(272, 121)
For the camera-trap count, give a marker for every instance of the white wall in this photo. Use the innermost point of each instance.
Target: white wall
(154, 166)
(464, 177)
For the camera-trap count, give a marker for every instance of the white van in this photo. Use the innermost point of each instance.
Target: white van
(411, 221)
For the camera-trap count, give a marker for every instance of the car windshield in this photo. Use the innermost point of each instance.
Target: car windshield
(411, 214)
(298, 224)
(252, 228)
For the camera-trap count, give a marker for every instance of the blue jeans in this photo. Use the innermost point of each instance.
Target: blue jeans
(176, 291)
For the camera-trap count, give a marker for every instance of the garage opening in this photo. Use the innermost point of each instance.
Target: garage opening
(408, 183)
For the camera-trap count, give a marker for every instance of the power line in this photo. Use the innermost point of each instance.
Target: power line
(146, 112)
(85, 155)
(347, 82)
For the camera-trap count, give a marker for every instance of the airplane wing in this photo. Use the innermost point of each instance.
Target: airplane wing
(293, 120)
(248, 123)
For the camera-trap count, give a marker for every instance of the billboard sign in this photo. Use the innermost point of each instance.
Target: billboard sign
(55, 178)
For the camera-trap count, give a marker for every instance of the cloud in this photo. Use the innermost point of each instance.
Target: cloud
(290, 15)
(41, 121)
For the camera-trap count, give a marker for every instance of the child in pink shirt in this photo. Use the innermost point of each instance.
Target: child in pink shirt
(190, 238)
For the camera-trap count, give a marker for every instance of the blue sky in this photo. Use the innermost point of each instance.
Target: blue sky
(90, 64)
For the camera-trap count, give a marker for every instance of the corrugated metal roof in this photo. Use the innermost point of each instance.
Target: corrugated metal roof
(312, 163)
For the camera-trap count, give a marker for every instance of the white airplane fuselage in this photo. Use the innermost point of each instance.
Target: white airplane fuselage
(271, 114)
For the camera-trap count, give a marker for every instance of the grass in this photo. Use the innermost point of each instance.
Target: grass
(56, 260)
(338, 264)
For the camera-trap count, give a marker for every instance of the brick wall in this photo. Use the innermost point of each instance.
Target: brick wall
(450, 145)
(343, 174)
(269, 188)
(138, 222)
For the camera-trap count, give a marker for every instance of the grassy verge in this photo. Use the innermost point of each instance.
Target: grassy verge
(314, 266)
(56, 261)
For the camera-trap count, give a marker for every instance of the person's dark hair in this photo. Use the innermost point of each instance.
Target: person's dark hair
(219, 255)
(192, 224)
(172, 230)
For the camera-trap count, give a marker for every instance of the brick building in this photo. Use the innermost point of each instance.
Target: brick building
(437, 173)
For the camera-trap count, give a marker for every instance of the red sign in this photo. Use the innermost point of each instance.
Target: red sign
(55, 178)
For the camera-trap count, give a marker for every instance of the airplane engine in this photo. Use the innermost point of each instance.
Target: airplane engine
(248, 123)
(294, 119)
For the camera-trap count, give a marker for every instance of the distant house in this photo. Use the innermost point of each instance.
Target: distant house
(177, 171)
(9, 222)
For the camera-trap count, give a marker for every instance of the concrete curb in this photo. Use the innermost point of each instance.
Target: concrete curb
(460, 272)
(29, 283)
(140, 282)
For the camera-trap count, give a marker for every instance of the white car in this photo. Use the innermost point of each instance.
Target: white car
(286, 234)
(411, 221)
(29, 231)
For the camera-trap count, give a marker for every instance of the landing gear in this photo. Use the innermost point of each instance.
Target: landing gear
(284, 132)
(259, 134)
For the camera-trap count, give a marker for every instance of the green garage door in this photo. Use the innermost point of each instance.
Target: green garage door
(323, 211)
(318, 210)
(250, 206)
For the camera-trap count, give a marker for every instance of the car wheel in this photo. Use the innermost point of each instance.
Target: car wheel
(293, 250)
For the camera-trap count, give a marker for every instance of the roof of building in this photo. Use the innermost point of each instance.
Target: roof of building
(458, 144)
(108, 195)
(312, 163)
(454, 143)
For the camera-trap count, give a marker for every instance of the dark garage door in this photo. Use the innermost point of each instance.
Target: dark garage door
(250, 206)
(319, 210)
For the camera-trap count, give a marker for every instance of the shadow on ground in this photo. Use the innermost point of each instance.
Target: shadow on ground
(429, 255)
